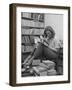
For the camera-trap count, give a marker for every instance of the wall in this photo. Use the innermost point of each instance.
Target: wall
(56, 22)
(4, 45)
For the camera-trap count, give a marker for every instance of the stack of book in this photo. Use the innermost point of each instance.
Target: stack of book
(36, 62)
(46, 68)
(40, 71)
(51, 65)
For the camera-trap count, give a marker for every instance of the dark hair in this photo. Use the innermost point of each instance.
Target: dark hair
(49, 28)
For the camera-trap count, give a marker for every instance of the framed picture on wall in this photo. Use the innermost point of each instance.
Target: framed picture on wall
(39, 44)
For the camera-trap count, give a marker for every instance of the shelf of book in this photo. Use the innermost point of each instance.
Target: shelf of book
(32, 16)
(32, 25)
(26, 18)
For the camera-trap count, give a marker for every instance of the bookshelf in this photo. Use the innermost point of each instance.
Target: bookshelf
(32, 25)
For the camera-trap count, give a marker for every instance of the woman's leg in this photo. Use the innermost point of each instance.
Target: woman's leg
(50, 54)
(37, 53)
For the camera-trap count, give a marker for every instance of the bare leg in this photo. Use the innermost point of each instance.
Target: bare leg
(49, 54)
(26, 60)
(37, 53)
(30, 60)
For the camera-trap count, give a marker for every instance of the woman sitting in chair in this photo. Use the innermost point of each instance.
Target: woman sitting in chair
(45, 47)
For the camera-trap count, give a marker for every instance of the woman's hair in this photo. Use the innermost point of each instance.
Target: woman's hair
(49, 28)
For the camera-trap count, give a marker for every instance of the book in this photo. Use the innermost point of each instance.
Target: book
(27, 40)
(26, 14)
(36, 62)
(32, 39)
(23, 39)
(22, 48)
(51, 72)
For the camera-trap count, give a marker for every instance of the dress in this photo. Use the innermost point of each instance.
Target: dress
(46, 51)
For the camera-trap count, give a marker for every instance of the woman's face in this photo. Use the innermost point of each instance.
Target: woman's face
(49, 34)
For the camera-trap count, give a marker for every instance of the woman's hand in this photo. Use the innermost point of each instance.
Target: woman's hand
(53, 49)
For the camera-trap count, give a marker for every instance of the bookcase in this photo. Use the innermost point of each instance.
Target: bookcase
(32, 26)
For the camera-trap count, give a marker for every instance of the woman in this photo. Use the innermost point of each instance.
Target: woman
(45, 47)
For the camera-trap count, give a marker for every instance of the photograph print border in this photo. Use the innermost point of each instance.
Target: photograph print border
(12, 62)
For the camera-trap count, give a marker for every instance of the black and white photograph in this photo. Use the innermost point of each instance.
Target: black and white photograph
(39, 44)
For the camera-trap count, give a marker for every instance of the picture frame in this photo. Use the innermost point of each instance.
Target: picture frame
(31, 19)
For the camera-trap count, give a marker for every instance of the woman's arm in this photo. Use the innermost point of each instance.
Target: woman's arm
(44, 41)
(47, 43)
